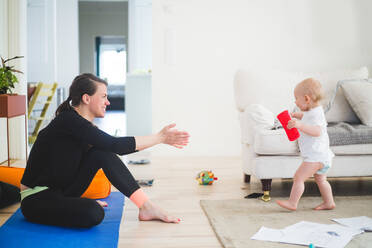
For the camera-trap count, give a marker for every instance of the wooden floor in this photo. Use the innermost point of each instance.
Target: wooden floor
(176, 190)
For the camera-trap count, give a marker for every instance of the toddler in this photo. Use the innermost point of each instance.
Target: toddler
(313, 143)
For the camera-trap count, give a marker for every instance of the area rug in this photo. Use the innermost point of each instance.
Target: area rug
(236, 221)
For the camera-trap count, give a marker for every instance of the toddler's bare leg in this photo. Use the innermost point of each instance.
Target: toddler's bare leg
(305, 171)
(326, 192)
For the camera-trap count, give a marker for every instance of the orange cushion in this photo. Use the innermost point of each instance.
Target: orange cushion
(100, 187)
(11, 175)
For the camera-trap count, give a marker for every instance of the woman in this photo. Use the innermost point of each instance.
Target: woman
(68, 153)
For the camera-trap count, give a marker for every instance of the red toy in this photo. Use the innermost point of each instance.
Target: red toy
(292, 133)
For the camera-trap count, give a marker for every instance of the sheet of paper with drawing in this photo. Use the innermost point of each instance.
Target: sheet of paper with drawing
(305, 233)
(320, 235)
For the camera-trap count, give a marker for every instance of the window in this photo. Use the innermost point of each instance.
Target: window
(112, 59)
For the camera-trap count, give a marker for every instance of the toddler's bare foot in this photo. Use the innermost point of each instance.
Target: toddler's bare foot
(326, 206)
(287, 205)
(102, 203)
(150, 211)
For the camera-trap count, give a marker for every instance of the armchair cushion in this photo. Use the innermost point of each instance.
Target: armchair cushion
(340, 109)
(274, 142)
(261, 116)
(359, 95)
(270, 88)
(255, 117)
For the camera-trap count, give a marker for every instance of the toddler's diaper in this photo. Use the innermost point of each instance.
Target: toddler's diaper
(324, 170)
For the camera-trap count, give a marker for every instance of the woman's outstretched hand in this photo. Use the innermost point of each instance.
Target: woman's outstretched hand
(170, 136)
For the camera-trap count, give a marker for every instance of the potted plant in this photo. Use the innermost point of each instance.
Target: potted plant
(10, 104)
(7, 75)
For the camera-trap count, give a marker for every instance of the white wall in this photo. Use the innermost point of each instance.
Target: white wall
(199, 45)
(3, 53)
(53, 43)
(13, 43)
(140, 36)
(4, 28)
(41, 42)
(99, 19)
(67, 45)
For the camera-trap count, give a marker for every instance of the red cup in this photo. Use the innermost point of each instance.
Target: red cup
(292, 133)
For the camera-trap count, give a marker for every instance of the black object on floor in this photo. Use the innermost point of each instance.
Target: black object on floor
(145, 182)
(254, 195)
(142, 161)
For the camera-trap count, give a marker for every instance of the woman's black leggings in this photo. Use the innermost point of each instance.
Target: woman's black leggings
(66, 208)
(9, 195)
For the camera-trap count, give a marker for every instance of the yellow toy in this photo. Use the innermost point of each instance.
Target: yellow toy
(206, 177)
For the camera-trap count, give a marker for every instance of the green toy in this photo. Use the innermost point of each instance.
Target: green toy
(206, 177)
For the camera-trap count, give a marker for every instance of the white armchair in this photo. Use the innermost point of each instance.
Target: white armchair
(266, 153)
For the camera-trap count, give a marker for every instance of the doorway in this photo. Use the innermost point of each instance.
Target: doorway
(103, 32)
(111, 65)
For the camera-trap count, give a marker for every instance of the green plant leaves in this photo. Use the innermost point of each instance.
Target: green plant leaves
(7, 77)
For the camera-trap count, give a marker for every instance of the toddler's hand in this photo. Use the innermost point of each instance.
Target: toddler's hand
(296, 115)
(293, 123)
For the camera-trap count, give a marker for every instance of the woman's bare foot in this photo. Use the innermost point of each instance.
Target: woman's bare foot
(325, 206)
(149, 211)
(102, 203)
(287, 205)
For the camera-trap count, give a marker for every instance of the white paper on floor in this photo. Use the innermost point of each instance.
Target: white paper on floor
(361, 222)
(305, 233)
(269, 234)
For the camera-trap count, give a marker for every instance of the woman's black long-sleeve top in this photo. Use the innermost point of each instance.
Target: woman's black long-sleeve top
(59, 149)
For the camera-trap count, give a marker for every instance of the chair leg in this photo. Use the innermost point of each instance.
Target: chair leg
(266, 187)
(247, 178)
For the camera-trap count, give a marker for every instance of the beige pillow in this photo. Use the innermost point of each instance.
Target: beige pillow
(340, 109)
(359, 95)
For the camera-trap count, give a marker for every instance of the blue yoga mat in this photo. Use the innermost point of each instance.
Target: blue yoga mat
(19, 233)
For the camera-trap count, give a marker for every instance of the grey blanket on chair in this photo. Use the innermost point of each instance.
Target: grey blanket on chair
(343, 133)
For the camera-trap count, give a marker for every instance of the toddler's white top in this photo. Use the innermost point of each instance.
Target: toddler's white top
(315, 149)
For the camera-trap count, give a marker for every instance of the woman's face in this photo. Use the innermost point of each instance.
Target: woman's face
(98, 101)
